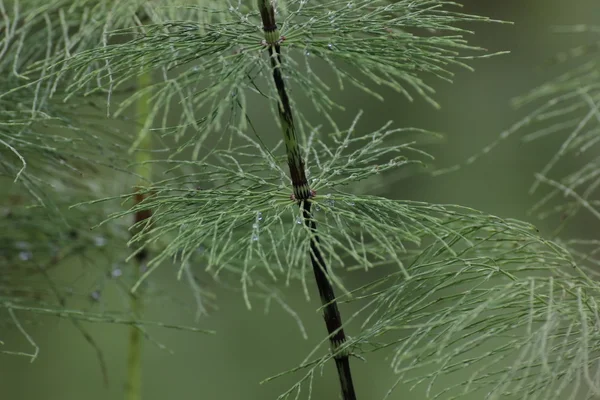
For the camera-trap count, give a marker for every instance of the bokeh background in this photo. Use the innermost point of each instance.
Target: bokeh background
(250, 345)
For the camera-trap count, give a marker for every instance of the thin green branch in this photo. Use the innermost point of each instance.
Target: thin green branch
(98, 318)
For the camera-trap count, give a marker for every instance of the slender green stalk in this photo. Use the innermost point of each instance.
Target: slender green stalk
(144, 145)
(133, 390)
(303, 195)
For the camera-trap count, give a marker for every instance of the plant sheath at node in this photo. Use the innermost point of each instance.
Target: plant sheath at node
(303, 194)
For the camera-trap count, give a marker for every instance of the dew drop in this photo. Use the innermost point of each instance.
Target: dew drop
(330, 46)
(116, 273)
(259, 216)
(307, 53)
(25, 255)
(254, 237)
(255, 226)
(299, 220)
(99, 241)
(330, 202)
(95, 295)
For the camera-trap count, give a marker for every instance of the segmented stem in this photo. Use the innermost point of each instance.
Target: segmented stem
(302, 193)
(295, 162)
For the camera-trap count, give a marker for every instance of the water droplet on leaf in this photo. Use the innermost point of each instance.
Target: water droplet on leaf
(330, 202)
(95, 295)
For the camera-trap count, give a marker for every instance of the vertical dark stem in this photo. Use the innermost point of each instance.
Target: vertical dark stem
(331, 312)
(302, 193)
(295, 162)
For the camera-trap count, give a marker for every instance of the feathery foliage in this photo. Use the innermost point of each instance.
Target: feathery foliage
(213, 69)
(489, 305)
(565, 107)
(53, 155)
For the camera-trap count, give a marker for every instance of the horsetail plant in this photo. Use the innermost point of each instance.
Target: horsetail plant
(483, 302)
